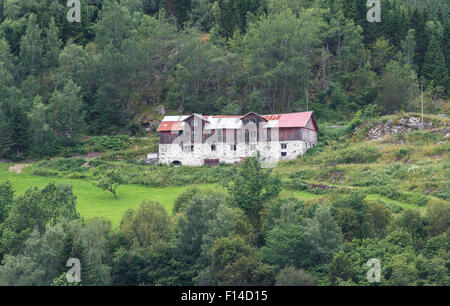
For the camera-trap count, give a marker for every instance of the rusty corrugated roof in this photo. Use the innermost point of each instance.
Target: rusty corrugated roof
(291, 120)
(167, 126)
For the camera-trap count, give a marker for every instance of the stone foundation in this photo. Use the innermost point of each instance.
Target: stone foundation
(269, 151)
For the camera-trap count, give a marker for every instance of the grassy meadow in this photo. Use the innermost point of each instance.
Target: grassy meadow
(92, 201)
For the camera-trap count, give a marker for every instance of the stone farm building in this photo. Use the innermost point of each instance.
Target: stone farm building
(197, 139)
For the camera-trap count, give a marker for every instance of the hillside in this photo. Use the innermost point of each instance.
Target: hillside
(387, 158)
(83, 88)
(129, 62)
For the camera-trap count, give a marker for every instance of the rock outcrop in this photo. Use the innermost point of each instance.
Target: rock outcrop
(404, 125)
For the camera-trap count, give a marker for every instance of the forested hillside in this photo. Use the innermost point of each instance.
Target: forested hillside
(79, 107)
(61, 81)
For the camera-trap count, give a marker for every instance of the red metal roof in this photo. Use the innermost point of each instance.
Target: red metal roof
(294, 120)
(284, 121)
(167, 126)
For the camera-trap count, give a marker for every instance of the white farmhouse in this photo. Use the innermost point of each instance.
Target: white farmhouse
(196, 140)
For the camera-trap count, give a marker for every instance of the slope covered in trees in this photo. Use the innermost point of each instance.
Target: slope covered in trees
(61, 81)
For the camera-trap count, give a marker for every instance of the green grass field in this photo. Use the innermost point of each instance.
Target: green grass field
(92, 201)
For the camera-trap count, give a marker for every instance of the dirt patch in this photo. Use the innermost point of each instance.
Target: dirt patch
(18, 168)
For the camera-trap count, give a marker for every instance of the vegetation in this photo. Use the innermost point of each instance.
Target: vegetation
(83, 100)
(62, 81)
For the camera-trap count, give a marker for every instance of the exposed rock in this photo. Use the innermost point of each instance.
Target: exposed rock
(161, 110)
(404, 125)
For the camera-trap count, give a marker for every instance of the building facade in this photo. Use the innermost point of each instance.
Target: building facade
(196, 140)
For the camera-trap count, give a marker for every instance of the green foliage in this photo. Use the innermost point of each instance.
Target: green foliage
(63, 164)
(6, 199)
(234, 262)
(289, 276)
(147, 227)
(110, 181)
(324, 235)
(32, 211)
(351, 214)
(106, 143)
(358, 155)
(341, 268)
(203, 220)
(183, 200)
(251, 188)
(66, 112)
(286, 245)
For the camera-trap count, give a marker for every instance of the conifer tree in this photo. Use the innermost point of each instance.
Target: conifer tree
(31, 47)
(53, 44)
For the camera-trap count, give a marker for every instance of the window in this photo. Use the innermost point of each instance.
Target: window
(213, 147)
(284, 146)
(253, 120)
(188, 148)
(219, 135)
(194, 135)
(194, 123)
(233, 147)
(253, 134)
(252, 147)
(283, 154)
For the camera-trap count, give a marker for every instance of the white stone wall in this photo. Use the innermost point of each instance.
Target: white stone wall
(270, 151)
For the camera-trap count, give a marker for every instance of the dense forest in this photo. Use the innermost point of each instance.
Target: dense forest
(73, 96)
(61, 81)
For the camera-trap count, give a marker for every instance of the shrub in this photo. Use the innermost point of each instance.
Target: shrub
(296, 184)
(361, 154)
(108, 143)
(45, 173)
(289, 276)
(64, 164)
(402, 153)
(444, 192)
(416, 199)
(388, 191)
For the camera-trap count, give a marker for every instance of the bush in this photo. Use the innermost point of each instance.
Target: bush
(416, 199)
(388, 191)
(361, 154)
(108, 143)
(289, 276)
(402, 153)
(296, 184)
(45, 173)
(444, 192)
(64, 164)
